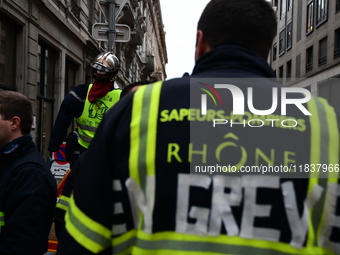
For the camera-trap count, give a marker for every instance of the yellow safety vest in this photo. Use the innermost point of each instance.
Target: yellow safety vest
(93, 114)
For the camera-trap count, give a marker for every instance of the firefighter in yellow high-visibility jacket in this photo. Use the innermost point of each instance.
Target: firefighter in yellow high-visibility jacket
(223, 161)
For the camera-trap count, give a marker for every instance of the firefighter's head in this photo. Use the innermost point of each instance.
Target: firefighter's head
(105, 67)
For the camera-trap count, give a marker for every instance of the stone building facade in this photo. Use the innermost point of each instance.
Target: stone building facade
(306, 49)
(47, 46)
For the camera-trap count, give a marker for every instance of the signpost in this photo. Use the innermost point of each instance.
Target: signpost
(100, 32)
(112, 24)
(111, 31)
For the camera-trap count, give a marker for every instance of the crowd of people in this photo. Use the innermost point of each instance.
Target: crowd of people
(132, 190)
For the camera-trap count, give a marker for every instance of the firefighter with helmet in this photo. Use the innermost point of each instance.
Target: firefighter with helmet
(87, 103)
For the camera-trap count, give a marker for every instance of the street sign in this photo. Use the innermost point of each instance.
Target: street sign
(59, 165)
(100, 32)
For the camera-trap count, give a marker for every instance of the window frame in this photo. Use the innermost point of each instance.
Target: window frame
(289, 70)
(283, 9)
(337, 6)
(289, 5)
(75, 9)
(282, 47)
(309, 64)
(10, 84)
(274, 51)
(281, 71)
(322, 57)
(45, 101)
(71, 69)
(337, 43)
(289, 38)
(320, 20)
(310, 18)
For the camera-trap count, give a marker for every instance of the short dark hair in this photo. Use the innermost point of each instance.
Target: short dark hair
(15, 104)
(251, 23)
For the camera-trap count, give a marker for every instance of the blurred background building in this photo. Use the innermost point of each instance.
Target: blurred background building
(47, 46)
(306, 49)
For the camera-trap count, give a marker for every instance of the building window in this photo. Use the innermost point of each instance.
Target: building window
(323, 51)
(289, 70)
(337, 43)
(75, 9)
(283, 9)
(309, 59)
(289, 5)
(337, 6)
(289, 36)
(45, 81)
(282, 42)
(280, 73)
(274, 51)
(92, 7)
(3, 44)
(310, 17)
(7, 53)
(321, 11)
(70, 75)
(70, 81)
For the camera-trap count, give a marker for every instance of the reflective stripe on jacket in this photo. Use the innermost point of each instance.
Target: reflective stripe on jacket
(2, 220)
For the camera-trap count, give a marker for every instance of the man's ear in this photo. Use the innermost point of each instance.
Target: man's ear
(201, 45)
(16, 121)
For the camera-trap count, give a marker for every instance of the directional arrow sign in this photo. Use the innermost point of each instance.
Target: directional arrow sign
(99, 32)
